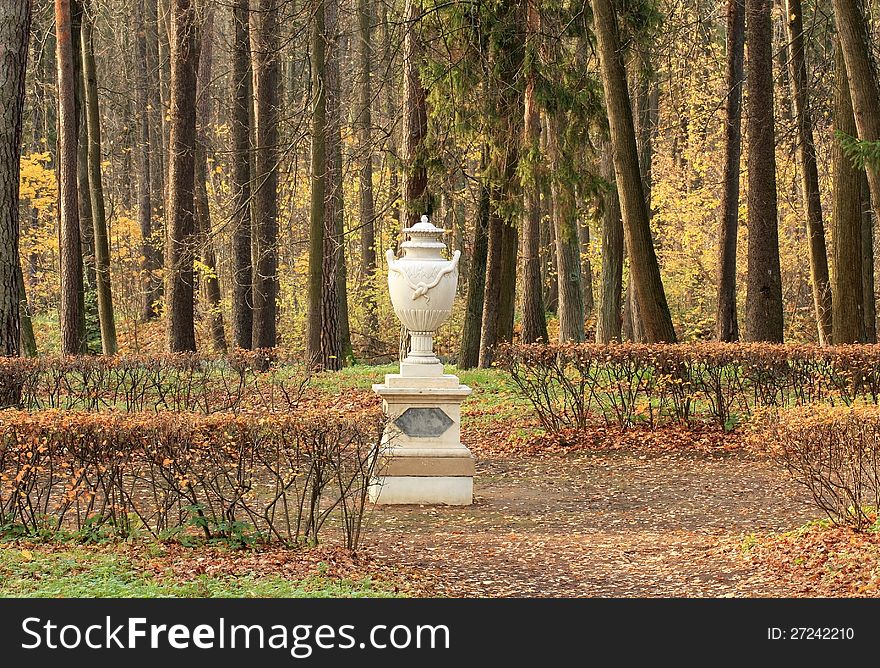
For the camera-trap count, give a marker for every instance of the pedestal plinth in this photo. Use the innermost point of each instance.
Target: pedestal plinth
(422, 458)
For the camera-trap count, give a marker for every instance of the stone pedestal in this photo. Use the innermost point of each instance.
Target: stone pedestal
(422, 459)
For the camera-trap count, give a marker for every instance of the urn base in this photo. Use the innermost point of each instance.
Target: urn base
(409, 490)
(422, 459)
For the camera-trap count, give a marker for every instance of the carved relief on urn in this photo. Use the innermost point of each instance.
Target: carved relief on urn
(422, 285)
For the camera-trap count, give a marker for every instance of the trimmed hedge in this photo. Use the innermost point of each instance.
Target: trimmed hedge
(835, 453)
(221, 476)
(265, 380)
(573, 386)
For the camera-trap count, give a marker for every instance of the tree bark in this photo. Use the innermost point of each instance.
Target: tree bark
(318, 188)
(727, 323)
(492, 291)
(644, 118)
(645, 270)
(181, 171)
(28, 340)
(534, 320)
(335, 336)
(106, 316)
(242, 269)
(849, 321)
(764, 285)
(507, 291)
(154, 118)
(70, 310)
(469, 353)
(89, 296)
(15, 21)
(586, 269)
(568, 250)
(608, 320)
(210, 282)
(549, 271)
(870, 306)
(266, 93)
(809, 172)
(144, 170)
(364, 123)
(163, 76)
(852, 31)
(416, 199)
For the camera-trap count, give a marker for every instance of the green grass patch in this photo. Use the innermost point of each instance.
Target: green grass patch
(78, 571)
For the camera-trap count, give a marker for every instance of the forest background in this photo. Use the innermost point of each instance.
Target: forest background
(209, 175)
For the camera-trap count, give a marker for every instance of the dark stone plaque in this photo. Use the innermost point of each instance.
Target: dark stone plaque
(423, 422)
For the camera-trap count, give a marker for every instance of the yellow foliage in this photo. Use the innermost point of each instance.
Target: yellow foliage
(37, 183)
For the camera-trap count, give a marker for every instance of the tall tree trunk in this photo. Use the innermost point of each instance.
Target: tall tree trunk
(364, 122)
(809, 172)
(266, 93)
(318, 188)
(163, 35)
(507, 291)
(70, 310)
(96, 189)
(416, 200)
(15, 21)
(210, 281)
(586, 269)
(653, 309)
(533, 317)
(644, 118)
(870, 306)
(568, 251)
(632, 322)
(764, 285)
(849, 322)
(154, 118)
(181, 200)
(608, 321)
(335, 336)
(389, 105)
(144, 152)
(492, 290)
(778, 21)
(726, 316)
(469, 353)
(852, 31)
(28, 340)
(549, 270)
(242, 269)
(88, 298)
(86, 225)
(42, 124)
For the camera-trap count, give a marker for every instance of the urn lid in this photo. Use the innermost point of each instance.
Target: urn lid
(424, 237)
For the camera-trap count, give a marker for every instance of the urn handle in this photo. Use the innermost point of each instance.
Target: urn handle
(392, 260)
(421, 288)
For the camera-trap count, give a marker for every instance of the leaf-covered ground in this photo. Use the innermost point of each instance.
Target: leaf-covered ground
(660, 513)
(819, 560)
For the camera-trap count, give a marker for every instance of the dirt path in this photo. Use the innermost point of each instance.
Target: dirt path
(612, 523)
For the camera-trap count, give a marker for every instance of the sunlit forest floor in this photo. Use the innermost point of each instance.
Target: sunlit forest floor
(662, 512)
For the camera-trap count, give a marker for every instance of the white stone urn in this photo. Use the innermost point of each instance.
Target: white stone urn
(422, 284)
